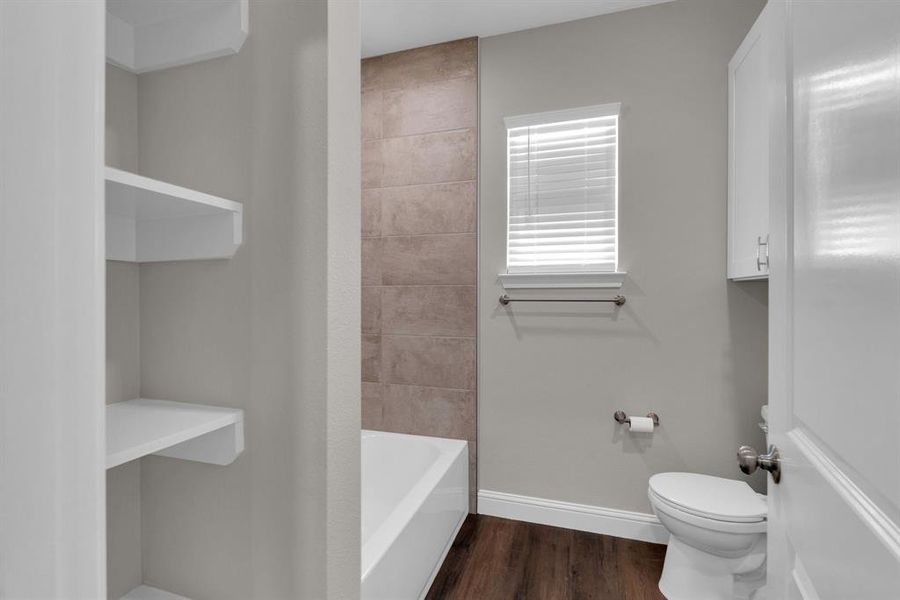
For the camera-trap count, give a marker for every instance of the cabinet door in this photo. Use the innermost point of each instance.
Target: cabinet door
(748, 156)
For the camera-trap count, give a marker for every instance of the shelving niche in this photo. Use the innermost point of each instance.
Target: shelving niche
(148, 220)
(197, 432)
(151, 221)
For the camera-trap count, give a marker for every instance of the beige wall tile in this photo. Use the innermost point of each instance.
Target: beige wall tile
(429, 411)
(427, 310)
(371, 212)
(372, 112)
(429, 259)
(426, 108)
(430, 63)
(372, 261)
(371, 73)
(371, 309)
(372, 406)
(371, 358)
(428, 158)
(429, 361)
(419, 212)
(434, 208)
(372, 164)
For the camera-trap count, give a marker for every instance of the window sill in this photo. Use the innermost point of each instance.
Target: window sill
(512, 281)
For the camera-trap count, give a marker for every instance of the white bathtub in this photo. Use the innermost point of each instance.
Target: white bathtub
(415, 496)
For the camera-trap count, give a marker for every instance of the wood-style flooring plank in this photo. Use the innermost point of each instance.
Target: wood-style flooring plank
(546, 564)
(594, 568)
(500, 559)
(641, 566)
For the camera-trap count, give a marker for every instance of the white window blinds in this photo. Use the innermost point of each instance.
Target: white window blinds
(562, 191)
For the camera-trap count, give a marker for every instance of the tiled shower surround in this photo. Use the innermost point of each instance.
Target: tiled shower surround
(420, 113)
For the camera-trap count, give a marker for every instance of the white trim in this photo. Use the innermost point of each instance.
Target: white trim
(146, 592)
(193, 35)
(582, 517)
(561, 116)
(52, 300)
(611, 280)
(884, 528)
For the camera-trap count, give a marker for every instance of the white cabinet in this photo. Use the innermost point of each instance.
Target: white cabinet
(748, 156)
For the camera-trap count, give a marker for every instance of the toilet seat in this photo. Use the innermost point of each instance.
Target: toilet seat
(711, 502)
(662, 505)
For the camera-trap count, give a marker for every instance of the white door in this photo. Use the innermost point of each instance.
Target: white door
(52, 454)
(834, 529)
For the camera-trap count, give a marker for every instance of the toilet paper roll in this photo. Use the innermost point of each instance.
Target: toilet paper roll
(641, 424)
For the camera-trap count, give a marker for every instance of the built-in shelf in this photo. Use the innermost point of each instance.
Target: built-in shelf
(145, 35)
(536, 281)
(197, 432)
(151, 221)
(145, 592)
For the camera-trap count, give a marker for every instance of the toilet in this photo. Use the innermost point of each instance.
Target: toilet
(717, 542)
(717, 548)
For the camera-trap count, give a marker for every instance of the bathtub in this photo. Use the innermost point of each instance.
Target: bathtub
(415, 496)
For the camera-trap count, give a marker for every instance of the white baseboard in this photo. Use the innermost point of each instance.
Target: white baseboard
(583, 517)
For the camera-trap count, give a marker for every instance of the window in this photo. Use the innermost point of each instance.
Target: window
(562, 191)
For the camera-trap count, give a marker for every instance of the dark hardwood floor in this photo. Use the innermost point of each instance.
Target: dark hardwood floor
(499, 559)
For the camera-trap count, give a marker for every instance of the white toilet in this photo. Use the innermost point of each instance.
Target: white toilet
(717, 546)
(717, 549)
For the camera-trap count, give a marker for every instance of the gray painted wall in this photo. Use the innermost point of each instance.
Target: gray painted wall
(257, 331)
(688, 344)
(273, 330)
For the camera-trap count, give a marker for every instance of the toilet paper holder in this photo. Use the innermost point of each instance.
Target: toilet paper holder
(623, 419)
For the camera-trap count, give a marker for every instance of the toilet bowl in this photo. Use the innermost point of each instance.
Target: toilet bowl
(717, 547)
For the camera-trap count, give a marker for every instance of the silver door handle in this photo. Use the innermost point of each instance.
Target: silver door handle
(749, 460)
(760, 263)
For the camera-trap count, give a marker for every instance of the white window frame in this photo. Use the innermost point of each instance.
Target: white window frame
(579, 279)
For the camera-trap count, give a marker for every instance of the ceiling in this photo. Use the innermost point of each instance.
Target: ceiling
(392, 25)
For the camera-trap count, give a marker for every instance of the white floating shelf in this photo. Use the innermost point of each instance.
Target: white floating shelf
(145, 592)
(152, 221)
(197, 432)
(148, 35)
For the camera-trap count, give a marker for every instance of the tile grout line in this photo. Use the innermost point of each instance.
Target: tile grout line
(411, 185)
(396, 285)
(473, 77)
(425, 335)
(412, 235)
(384, 138)
(419, 385)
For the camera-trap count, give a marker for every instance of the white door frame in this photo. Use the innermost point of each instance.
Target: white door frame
(52, 307)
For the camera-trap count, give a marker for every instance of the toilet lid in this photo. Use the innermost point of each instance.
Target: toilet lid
(711, 497)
